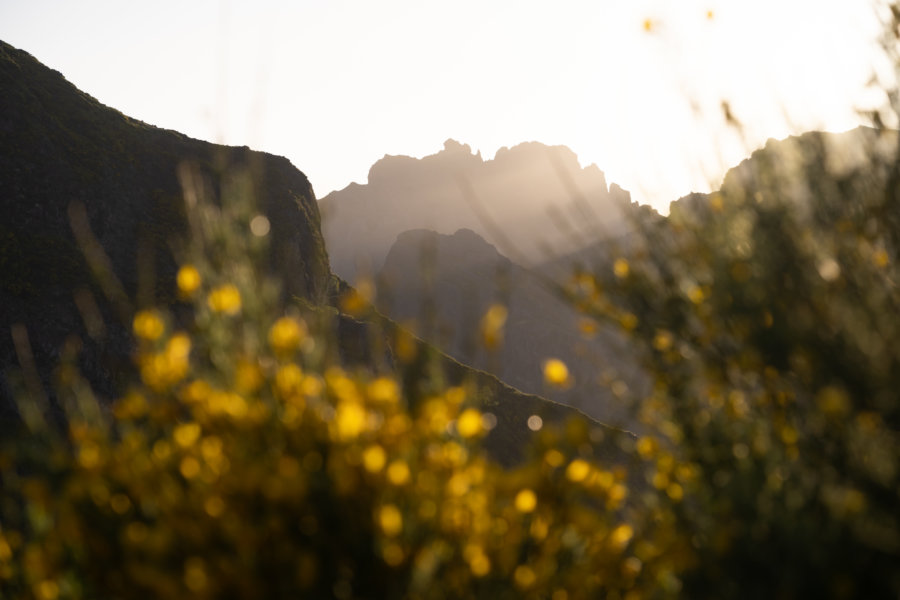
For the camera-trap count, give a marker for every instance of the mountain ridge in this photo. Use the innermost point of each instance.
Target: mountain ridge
(531, 200)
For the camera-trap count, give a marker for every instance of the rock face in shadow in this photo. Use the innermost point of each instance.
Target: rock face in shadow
(65, 156)
(532, 201)
(441, 286)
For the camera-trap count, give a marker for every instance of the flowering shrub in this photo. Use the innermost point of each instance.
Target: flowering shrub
(244, 461)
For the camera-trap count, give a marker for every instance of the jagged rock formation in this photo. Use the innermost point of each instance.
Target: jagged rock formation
(532, 201)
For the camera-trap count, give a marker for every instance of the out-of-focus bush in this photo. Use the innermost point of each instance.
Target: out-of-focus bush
(768, 314)
(244, 462)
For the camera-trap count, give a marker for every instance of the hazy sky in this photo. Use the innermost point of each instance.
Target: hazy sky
(633, 86)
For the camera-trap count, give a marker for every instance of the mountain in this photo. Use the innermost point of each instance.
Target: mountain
(66, 160)
(532, 201)
(78, 178)
(809, 169)
(441, 287)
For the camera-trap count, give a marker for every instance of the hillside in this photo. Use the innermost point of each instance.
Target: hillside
(441, 286)
(64, 155)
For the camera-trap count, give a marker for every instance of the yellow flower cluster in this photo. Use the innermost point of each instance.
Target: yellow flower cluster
(225, 299)
(161, 370)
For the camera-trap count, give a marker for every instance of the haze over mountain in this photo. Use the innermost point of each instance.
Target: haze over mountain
(531, 201)
(81, 179)
(442, 286)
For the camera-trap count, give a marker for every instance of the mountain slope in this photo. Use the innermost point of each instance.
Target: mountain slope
(441, 286)
(65, 156)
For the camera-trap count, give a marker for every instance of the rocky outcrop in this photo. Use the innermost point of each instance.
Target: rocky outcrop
(532, 201)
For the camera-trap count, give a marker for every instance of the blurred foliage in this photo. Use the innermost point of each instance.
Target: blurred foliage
(768, 314)
(246, 462)
(243, 461)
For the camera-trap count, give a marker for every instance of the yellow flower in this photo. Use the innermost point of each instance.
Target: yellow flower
(288, 380)
(480, 565)
(168, 367)
(383, 390)
(374, 458)
(621, 535)
(189, 467)
(621, 268)
(492, 326)
(469, 423)
(646, 446)
(148, 325)
(225, 299)
(526, 501)
(628, 321)
(390, 519)
(398, 472)
(578, 470)
(187, 434)
(350, 420)
(663, 341)
(188, 280)
(286, 335)
(524, 576)
(556, 372)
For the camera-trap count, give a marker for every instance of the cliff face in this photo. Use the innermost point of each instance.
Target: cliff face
(61, 150)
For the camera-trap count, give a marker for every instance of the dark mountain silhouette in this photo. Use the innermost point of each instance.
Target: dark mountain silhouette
(531, 201)
(65, 158)
(807, 168)
(69, 164)
(441, 286)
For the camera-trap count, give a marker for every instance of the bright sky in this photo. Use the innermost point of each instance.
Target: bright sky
(335, 85)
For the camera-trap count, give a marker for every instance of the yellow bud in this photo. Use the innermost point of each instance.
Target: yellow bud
(398, 472)
(469, 423)
(188, 280)
(286, 335)
(374, 458)
(556, 373)
(524, 577)
(621, 535)
(578, 470)
(185, 435)
(148, 325)
(384, 390)
(225, 299)
(350, 420)
(390, 519)
(526, 501)
(492, 326)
